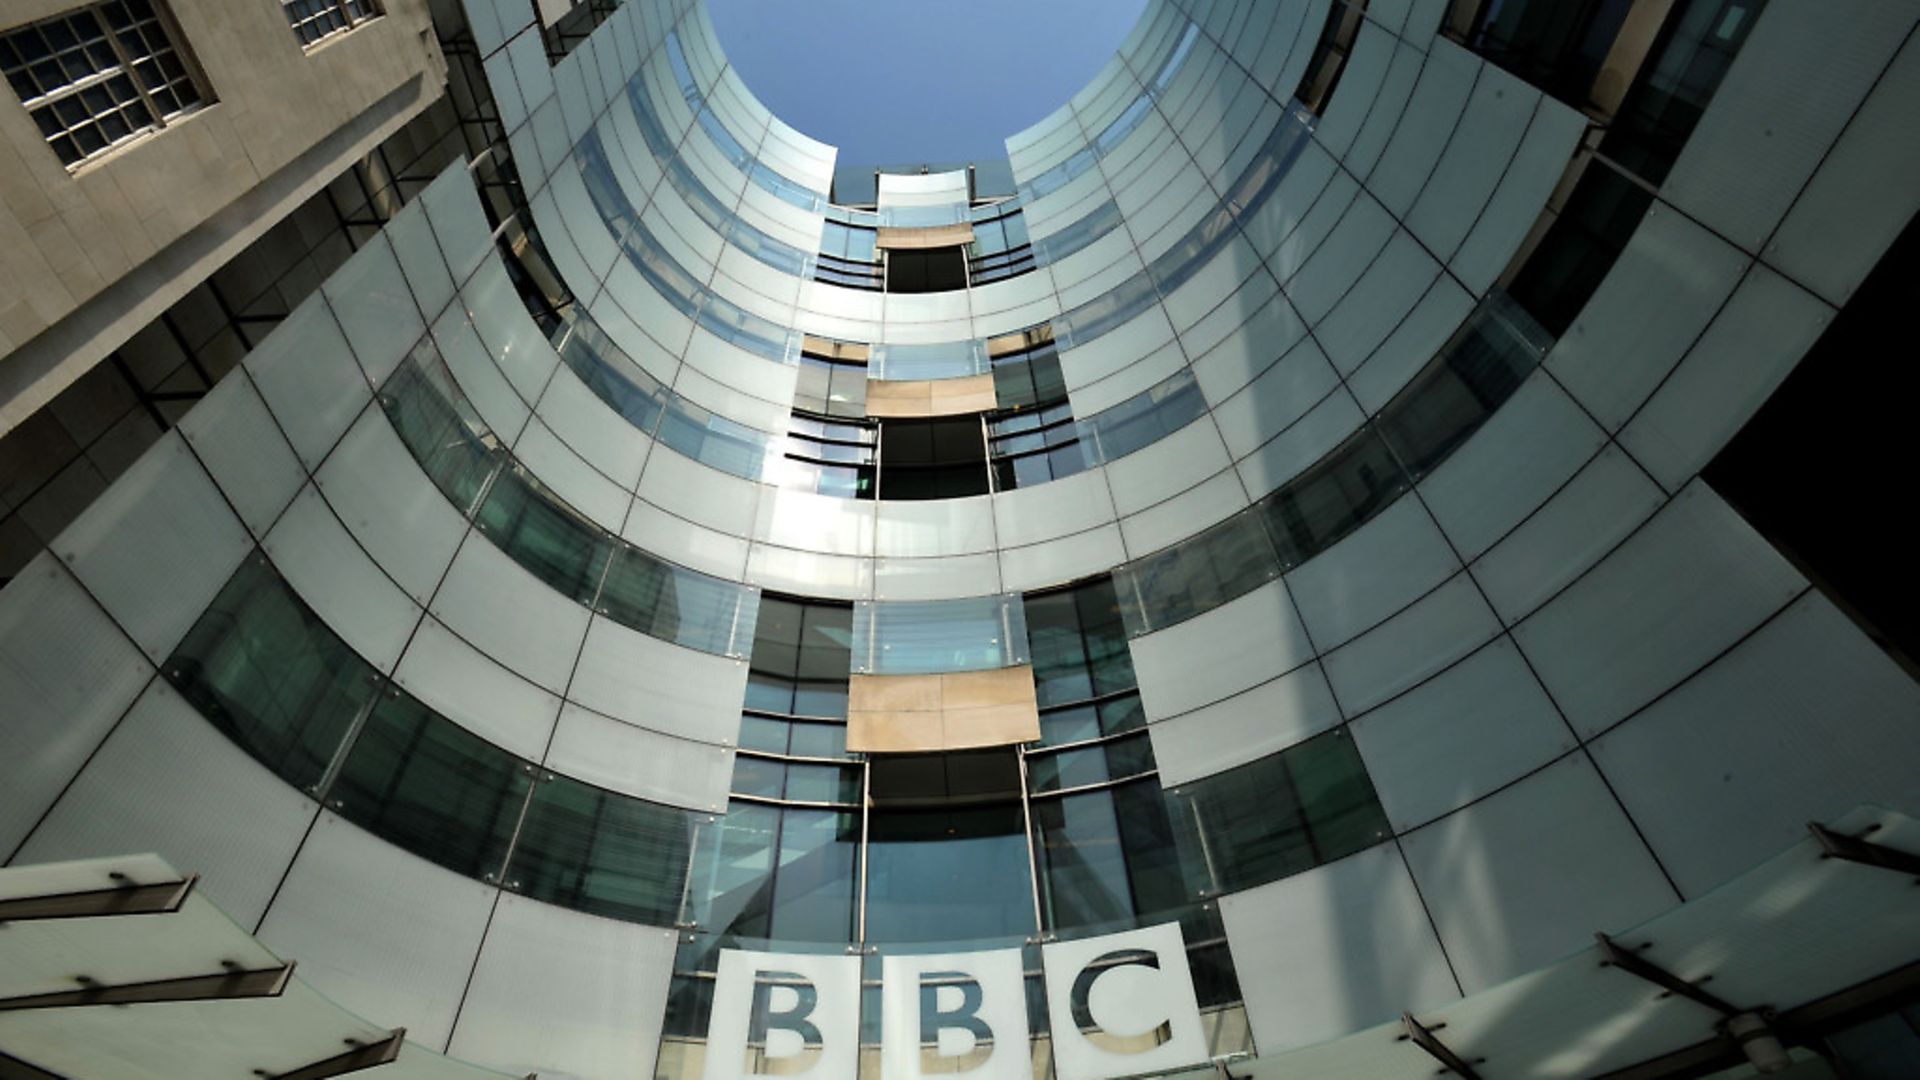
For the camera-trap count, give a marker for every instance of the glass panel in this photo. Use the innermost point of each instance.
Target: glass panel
(425, 783)
(679, 605)
(1341, 810)
(813, 892)
(762, 777)
(928, 637)
(1482, 366)
(1580, 247)
(1355, 481)
(818, 740)
(544, 535)
(948, 874)
(732, 889)
(823, 783)
(1060, 671)
(714, 440)
(1143, 419)
(1085, 766)
(604, 853)
(1287, 812)
(1079, 643)
(264, 669)
(944, 360)
(762, 733)
(1696, 46)
(608, 371)
(440, 427)
(1199, 574)
(1109, 856)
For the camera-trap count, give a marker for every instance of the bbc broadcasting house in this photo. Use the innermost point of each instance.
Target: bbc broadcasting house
(1373, 544)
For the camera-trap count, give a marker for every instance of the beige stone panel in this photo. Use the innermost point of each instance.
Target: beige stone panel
(991, 725)
(974, 393)
(899, 399)
(893, 732)
(894, 693)
(998, 686)
(62, 252)
(1019, 340)
(931, 397)
(935, 237)
(22, 195)
(850, 351)
(951, 711)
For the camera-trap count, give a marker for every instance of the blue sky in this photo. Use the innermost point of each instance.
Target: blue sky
(906, 81)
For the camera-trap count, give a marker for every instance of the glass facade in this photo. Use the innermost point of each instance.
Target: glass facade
(1316, 422)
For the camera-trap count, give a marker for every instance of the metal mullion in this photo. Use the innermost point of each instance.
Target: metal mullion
(67, 90)
(866, 818)
(1033, 852)
(1102, 785)
(1083, 744)
(126, 62)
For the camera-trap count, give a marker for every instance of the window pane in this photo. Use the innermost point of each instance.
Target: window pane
(948, 874)
(544, 535)
(264, 669)
(423, 782)
(679, 605)
(732, 888)
(813, 892)
(928, 637)
(439, 427)
(604, 853)
(1287, 812)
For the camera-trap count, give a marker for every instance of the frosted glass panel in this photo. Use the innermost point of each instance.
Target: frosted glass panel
(927, 637)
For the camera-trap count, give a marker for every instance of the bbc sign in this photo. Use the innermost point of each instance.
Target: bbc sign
(1119, 1005)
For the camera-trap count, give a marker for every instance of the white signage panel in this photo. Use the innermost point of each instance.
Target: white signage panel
(1122, 1004)
(1119, 1005)
(784, 1014)
(950, 1013)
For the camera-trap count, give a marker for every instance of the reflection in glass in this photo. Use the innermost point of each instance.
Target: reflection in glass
(264, 669)
(429, 785)
(601, 852)
(948, 874)
(933, 636)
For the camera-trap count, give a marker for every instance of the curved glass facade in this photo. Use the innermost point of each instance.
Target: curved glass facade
(607, 573)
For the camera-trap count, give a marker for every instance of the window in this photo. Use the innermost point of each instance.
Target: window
(1559, 47)
(1330, 55)
(1033, 446)
(833, 378)
(1001, 248)
(98, 76)
(918, 270)
(828, 457)
(933, 459)
(313, 20)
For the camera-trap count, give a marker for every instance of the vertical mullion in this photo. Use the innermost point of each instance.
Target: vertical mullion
(126, 63)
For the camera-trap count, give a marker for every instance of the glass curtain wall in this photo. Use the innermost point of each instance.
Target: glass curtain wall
(1068, 834)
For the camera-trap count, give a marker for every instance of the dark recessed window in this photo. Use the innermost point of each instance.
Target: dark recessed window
(933, 459)
(315, 19)
(1330, 54)
(916, 270)
(100, 75)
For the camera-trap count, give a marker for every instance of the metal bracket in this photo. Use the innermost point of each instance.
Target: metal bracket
(266, 982)
(1633, 964)
(1426, 1040)
(1835, 845)
(158, 899)
(364, 1056)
